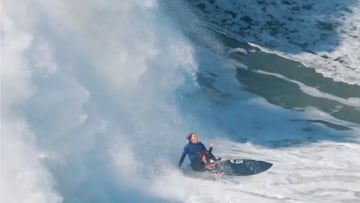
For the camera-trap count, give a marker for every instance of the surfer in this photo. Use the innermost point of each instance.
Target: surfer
(197, 153)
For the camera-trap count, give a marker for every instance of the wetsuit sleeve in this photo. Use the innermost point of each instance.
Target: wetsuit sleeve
(203, 147)
(211, 156)
(182, 157)
(209, 153)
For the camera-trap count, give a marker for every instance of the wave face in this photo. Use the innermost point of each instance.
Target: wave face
(97, 98)
(324, 36)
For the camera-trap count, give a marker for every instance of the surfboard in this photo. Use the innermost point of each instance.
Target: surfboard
(239, 167)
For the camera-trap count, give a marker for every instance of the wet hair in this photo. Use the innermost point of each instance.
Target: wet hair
(189, 136)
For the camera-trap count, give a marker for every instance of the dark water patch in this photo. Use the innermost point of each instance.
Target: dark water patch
(326, 123)
(288, 95)
(286, 143)
(206, 83)
(296, 71)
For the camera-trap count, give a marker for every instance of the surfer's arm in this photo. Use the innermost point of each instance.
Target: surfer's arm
(210, 148)
(211, 145)
(210, 154)
(182, 158)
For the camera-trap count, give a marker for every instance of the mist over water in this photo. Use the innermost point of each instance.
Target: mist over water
(97, 98)
(94, 86)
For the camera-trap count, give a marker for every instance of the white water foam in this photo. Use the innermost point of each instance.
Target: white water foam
(23, 177)
(94, 84)
(305, 174)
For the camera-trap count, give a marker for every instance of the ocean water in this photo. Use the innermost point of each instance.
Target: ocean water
(98, 96)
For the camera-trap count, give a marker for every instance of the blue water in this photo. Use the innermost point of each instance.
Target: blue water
(289, 25)
(97, 98)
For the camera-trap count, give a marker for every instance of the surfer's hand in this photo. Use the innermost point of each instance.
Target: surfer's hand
(211, 144)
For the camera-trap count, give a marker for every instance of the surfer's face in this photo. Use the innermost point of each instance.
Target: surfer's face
(194, 138)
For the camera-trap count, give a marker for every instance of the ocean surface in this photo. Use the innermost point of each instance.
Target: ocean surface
(97, 98)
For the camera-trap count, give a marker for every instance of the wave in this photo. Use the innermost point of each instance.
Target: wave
(97, 97)
(323, 36)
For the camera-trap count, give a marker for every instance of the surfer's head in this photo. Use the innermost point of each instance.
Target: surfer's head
(193, 138)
